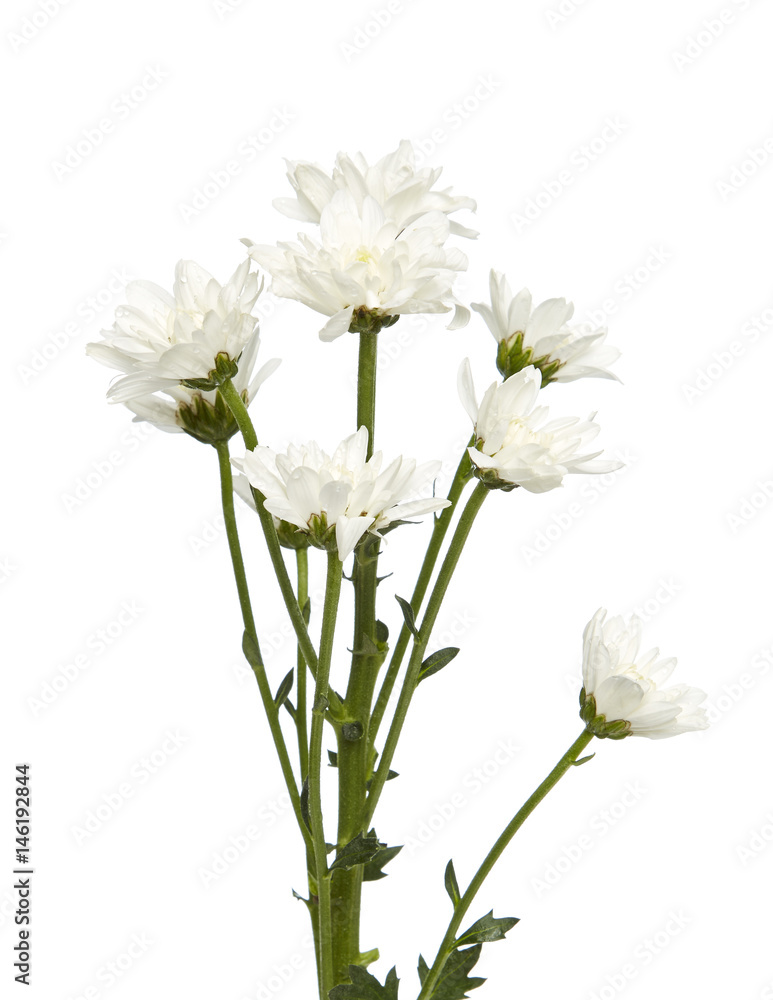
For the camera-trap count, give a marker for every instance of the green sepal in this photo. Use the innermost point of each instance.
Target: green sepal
(512, 357)
(363, 986)
(436, 661)
(372, 870)
(618, 729)
(488, 928)
(452, 886)
(210, 423)
(370, 321)
(408, 615)
(224, 370)
(359, 851)
(284, 688)
(453, 982)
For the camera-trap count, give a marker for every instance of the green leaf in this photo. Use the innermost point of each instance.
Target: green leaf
(452, 886)
(436, 661)
(306, 815)
(488, 928)
(251, 652)
(333, 758)
(284, 689)
(453, 982)
(382, 632)
(366, 987)
(306, 610)
(359, 851)
(372, 871)
(583, 760)
(390, 774)
(410, 617)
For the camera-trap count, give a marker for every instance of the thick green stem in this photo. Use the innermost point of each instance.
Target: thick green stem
(411, 679)
(332, 593)
(229, 515)
(439, 530)
(366, 385)
(447, 946)
(354, 761)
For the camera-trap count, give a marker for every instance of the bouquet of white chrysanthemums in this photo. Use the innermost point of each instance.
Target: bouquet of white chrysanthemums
(380, 250)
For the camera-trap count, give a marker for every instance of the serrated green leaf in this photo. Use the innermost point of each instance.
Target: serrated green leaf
(436, 661)
(284, 689)
(488, 928)
(359, 851)
(453, 983)
(408, 615)
(363, 986)
(452, 886)
(372, 870)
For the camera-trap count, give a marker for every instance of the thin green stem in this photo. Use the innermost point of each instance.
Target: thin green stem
(411, 679)
(447, 946)
(439, 530)
(242, 417)
(302, 567)
(229, 515)
(332, 593)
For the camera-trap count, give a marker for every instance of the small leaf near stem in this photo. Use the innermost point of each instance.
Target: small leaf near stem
(447, 949)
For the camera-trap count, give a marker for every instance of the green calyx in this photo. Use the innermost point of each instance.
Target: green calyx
(210, 423)
(490, 477)
(618, 729)
(291, 537)
(224, 370)
(513, 357)
(370, 321)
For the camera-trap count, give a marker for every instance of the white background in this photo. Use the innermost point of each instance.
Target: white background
(662, 231)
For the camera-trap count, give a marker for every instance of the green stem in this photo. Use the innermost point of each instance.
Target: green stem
(242, 417)
(332, 593)
(366, 385)
(439, 530)
(229, 515)
(411, 679)
(447, 946)
(302, 566)
(354, 761)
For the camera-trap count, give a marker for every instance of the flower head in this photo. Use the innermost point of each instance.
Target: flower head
(336, 499)
(541, 336)
(517, 445)
(181, 345)
(622, 691)
(367, 270)
(403, 192)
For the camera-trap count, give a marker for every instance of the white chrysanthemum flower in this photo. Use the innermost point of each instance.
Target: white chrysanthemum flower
(622, 691)
(366, 270)
(160, 340)
(403, 192)
(516, 444)
(541, 337)
(337, 499)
